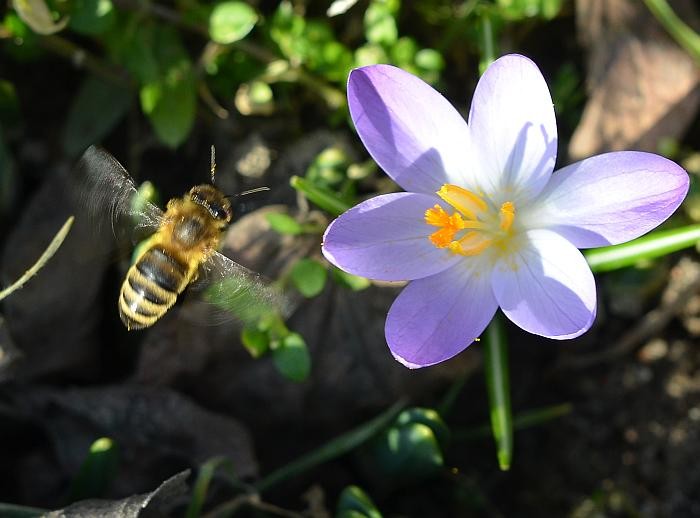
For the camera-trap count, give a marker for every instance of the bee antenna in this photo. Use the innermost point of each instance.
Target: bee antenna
(213, 163)
(249, 191)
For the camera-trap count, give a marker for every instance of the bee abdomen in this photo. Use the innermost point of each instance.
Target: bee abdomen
(151, 287)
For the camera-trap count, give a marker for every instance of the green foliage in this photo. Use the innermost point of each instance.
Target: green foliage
(292, 358)
(350, 281)
(516, 10)
(309, 277)
(97, 107)
(231, 22)
(355, 503)
(284, 224)
(97, 471)
(411, 448)
(201, 485)
(92, 17)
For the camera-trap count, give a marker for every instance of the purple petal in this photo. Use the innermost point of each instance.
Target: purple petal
(410, 130)
(386, 238)
(611, 198)
(437, 317)
(514, 130)
(546, 287)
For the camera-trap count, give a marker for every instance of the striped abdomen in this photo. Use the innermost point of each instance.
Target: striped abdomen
(151, 287)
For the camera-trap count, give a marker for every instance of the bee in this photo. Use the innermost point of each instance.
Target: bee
(182, 248)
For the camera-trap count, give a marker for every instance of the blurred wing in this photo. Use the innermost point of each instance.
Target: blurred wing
(238, 293)
(106, 193)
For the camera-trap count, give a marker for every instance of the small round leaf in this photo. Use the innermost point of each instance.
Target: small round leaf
(231, 21)
(292, 357)
(309, 277)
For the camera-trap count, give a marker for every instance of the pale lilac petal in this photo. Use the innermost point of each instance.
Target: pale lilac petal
(437, 317)
(546, 287)
(409, 128)
(386, 238)
(513, 130)
(611, 198)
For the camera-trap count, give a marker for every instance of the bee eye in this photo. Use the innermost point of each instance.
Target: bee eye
(218, 212)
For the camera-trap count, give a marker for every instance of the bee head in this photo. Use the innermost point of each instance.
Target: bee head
(213, 201)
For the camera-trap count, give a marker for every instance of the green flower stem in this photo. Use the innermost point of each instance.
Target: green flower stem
(332, 449)
(682, 33)
(498, 386)
(651, 246)
(488, 43)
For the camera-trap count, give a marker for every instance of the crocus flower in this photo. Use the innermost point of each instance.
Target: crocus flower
(484, 222)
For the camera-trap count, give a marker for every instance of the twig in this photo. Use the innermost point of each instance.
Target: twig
(48, 253)
(83, 59)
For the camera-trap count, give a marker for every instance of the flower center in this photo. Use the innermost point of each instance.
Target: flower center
(475, 226)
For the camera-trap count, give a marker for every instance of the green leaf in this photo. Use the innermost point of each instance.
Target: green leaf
(403, 52)
(527, 419)
(332, 449)
(255, 340)
(429, 418)
(684, 35)
(328, 167)
(408, 452)
(38, 16)
(353, 282)
(380, 24)
(134, 47)
(156, 57)
(292, 357)
(430, 60)
(370, 54)
(324, 198)
(20, 511)
(201, 485)
(231, 21)
(96, 109)
(92, 16)
(9, 104)
(170, 105)
(309, 277)
(498, 386)
(97, 471)
(284, 224)
(354, 502)
(287, 30)
(651, 246)
(516, 10)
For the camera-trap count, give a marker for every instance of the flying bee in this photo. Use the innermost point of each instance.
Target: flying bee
(182, 248)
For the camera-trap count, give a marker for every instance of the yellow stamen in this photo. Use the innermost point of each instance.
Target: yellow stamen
(450, 225)
(474, 227)
(443, 237)
(472, 243)
(507, 215)
(463, 200)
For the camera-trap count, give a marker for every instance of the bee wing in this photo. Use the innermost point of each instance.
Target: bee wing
(106, 192)
(238, 293)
